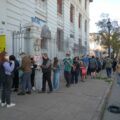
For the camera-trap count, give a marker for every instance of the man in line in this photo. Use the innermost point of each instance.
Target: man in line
(108, 66)
(46, 69)
(67, 69)
(26, 77)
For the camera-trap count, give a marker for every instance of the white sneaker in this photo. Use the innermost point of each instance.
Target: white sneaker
(11, 105)
(3, 104)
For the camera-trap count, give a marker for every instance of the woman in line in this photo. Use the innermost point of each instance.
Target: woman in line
(8, 66)
(56, 74)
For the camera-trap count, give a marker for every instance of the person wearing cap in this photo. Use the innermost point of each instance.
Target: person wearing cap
(67, 69)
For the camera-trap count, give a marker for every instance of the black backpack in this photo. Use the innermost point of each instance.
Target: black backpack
(92, 63)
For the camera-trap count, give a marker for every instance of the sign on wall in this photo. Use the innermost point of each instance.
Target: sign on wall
(38, 21)
(2, 43)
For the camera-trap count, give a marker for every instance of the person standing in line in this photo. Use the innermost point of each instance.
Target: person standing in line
(8, 66)
(118, 72)
(26, 77)
(108, 66)
(114, 63)
(99, 68)
(16, 75)
(46, 69)
(33, 67)
(2, 71)
(83, 71)
(93, 66)
(56, 74)
(67, 69)
(75, 70)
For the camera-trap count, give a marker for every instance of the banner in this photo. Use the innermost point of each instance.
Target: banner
(2, 43)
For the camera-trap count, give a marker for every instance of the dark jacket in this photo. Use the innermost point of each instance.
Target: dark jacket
(46, 66)
(76, 67)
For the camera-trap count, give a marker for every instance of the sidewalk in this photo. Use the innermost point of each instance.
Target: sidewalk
(79, 102)
(114, 99)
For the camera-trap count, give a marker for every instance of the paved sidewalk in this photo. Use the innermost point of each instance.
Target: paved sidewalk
(79, 102)
(114, 99)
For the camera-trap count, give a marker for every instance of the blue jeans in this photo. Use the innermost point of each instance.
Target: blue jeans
(56, 80)
(26, 82)
(74, 77)
(108, 71)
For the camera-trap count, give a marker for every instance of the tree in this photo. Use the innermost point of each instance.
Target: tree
(109, 39)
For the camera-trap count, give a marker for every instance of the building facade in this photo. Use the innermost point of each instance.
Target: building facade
(51, 26)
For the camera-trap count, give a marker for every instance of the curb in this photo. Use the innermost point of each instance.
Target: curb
(104, 102)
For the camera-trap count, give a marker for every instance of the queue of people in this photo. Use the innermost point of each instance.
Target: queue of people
(21, 75)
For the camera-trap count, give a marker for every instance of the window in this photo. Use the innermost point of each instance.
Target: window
(59, 6)
(79, 21)
(85, 4)
(85, 25)
(60, 39)
(71, 13)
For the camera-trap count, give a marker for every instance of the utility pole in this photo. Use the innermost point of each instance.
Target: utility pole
(109, 28)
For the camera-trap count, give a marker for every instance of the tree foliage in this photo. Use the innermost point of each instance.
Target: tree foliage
(112, 39)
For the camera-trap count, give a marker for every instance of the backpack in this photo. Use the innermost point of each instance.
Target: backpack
(92, 63)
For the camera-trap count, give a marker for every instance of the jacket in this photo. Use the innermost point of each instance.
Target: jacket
(26, 64)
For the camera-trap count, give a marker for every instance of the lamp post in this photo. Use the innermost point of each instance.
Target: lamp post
(109, 28)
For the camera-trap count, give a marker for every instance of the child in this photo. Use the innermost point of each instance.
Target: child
(83, 71)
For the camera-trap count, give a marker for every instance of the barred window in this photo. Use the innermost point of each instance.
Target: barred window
(71, 13)
(85, 25)
(60, 40)
(79, 21)
(59, 6)
(85, 4)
